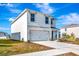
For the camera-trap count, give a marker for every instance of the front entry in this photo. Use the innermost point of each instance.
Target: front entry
(54, 35)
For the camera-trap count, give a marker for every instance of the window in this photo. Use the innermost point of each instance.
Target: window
(32, 17)
(52, 20)
(46, 20)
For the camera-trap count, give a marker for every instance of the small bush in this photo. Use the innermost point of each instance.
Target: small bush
(72, 37)
(67, 37)
(28, 41)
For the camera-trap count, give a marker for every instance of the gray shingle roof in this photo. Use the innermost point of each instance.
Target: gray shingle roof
(71, 25)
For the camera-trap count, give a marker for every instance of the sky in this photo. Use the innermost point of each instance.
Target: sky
(64, 13)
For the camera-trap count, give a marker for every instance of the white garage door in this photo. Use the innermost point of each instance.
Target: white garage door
(39, 35)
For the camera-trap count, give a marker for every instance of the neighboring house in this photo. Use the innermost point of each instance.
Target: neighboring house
(70, 29)
(34, 26)
(4, 35)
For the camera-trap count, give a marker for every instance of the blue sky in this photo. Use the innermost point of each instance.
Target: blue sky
(65, 13)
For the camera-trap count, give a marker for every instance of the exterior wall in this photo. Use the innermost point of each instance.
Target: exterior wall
(20, 25)
(39, 20)
(74, 30)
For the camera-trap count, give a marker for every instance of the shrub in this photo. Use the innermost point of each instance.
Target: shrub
(66, 37)
(72, 37)
(28, 41)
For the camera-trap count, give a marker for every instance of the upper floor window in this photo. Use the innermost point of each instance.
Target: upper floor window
(32, 17)
(46, 20)
(52, 20)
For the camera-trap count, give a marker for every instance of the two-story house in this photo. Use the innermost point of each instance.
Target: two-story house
(34, 26)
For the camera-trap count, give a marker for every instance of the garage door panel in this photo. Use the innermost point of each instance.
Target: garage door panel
(39, 35)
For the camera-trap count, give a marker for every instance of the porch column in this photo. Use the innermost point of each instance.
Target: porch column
(50, 35)
(57, 35)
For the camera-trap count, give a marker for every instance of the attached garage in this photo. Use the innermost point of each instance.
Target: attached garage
(39, 35)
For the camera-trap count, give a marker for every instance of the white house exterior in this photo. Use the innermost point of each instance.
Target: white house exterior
(4, 35)
(34, 26)
(70, 29)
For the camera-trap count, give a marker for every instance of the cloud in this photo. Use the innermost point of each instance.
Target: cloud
(11, 7)
(6, 4)
(72, 18)
(64, 6)
(45, 8)
(3, 28)
(11, 19)
(15, 10)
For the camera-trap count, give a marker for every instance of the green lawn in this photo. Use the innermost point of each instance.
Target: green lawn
(9, 47)
(8, 41)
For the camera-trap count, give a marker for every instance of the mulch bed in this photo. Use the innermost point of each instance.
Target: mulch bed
(70, 42)
(68, 54)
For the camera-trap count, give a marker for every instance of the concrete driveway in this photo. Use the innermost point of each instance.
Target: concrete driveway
(60, 48)
(58, 45)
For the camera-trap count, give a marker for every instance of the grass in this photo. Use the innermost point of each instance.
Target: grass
(9, 47)
(68, 54)
(8, 41)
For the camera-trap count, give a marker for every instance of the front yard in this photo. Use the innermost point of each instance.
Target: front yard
(9, 47)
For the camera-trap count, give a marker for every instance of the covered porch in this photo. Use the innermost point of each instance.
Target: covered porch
(54, 34)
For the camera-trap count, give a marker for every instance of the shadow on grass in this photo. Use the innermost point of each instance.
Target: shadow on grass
(5, 45)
